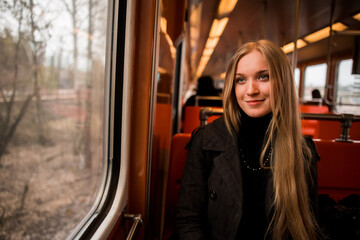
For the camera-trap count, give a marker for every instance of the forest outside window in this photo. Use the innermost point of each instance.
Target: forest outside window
(52, 61)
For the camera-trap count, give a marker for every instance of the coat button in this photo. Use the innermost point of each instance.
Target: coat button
(212, 194)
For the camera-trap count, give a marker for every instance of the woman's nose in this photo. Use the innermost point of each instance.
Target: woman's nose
(252, 88)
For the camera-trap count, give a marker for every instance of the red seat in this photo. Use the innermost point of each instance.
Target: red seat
(314, 109)
(192, 119)
(322, 129)
(311, 127)
(339, 168)
(332, 129)
(176, 166)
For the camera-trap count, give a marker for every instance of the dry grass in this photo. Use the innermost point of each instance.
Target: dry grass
(45, 190)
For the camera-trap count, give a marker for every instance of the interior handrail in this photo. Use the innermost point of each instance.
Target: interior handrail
(137, 223)
(200, 97)
(330, 117)
(345, 120)
(207, 112)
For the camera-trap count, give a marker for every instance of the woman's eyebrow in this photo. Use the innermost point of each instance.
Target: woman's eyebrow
(263, 71)
(258, 72)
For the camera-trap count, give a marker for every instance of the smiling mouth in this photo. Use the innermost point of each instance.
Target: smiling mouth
(254, 102)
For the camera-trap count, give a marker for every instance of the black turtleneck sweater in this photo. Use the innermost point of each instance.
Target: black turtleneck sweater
(254, 222)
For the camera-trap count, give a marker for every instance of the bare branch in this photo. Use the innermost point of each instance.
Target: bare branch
(3, 96)
(66, 6)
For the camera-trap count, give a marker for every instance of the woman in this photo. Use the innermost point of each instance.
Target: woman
(251, 174)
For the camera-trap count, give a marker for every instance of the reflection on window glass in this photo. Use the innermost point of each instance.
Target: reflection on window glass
(348, 85)
(315, 78)
(297, 79)
(51, 114)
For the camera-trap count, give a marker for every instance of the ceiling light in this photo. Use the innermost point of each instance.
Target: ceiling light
(163, 24)
(218, 27)
(168, 39)
(204, 60)
(226, 7)
(223, 75)
(211, 42)
(193, 42)
(357, 17)
(173, 51)
(202, 64)
(216, 31)
(324, 33)
(339, 27)
(161, 70)
(200, 70)
(290, 47)
(208, 51)
(171, 45)
(318, 35)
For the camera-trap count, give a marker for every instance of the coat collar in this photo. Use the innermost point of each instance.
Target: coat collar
(218, 138)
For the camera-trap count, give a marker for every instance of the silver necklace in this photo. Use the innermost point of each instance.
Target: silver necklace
(265, 163)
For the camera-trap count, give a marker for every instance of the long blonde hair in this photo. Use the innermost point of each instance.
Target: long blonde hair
(289, 163)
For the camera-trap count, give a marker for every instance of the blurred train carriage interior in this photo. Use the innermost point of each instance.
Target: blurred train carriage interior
(98, 99)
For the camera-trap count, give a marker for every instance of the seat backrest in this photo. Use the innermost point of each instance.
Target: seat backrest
(192, 120)
(355, 131)
(178, 155)
(314, 109)
(339, 168)
(332, 130)
(311, 127)
(325, 129)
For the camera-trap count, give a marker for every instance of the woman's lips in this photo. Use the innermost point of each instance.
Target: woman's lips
(254, 102)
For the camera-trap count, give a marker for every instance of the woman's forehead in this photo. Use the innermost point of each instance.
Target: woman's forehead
(252, 61)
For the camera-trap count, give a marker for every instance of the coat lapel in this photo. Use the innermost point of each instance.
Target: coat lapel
(228, 161)
(229, 168)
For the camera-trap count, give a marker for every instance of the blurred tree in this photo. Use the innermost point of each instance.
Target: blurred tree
(21, 59)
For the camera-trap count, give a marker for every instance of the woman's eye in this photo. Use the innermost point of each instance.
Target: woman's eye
(264, 77)
(240, 80)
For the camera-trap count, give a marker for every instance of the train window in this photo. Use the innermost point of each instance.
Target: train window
(315, 78)
(52, 57)
(348, 85)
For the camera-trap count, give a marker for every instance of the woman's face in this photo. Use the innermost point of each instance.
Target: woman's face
(252, 85)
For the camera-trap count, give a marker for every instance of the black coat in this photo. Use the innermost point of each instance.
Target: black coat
(210, 203)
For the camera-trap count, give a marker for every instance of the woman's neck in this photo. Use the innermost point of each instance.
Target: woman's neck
(254, 127)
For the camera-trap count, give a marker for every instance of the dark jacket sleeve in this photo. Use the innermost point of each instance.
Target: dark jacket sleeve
(191, 213)
(312, 178)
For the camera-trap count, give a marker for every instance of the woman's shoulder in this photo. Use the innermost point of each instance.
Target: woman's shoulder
(311, 145)
(212, 136)
(215, 127)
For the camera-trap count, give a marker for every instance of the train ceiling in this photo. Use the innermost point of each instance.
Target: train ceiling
(272, 19)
